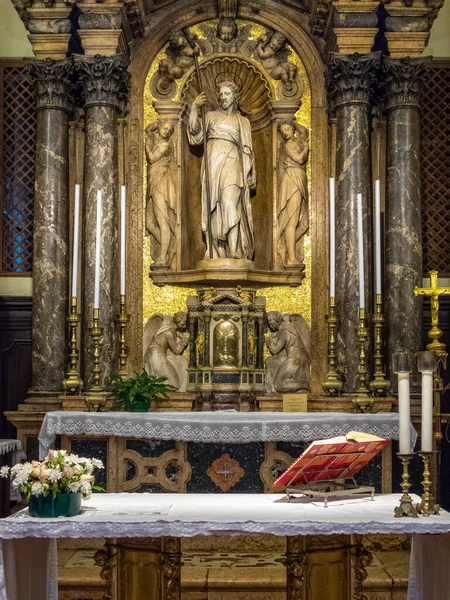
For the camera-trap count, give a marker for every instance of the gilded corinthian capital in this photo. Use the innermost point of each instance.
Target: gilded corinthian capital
(350, 79)
(103, 80)
(403, 78)
(52, 80)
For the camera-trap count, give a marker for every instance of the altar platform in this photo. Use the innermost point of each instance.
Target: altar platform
(134, 522)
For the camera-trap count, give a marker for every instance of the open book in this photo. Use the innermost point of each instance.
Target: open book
(335, 458)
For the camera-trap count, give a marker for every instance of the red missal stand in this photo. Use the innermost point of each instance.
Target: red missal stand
(325, 466)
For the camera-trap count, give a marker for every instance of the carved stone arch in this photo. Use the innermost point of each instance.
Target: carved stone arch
(294, 25)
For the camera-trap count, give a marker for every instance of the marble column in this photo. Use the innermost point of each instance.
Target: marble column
(51, 80)
(404, 268)
(104, 85)
(350, 80)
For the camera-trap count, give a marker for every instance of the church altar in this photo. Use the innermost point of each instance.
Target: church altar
(220, 426)
(171, 516)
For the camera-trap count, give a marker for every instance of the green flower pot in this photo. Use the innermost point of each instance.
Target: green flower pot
(63, 505)
(140, 406)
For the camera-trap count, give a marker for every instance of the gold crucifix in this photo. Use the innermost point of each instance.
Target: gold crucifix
(435, 333)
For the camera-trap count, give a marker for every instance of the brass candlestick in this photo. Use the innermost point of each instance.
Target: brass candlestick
(406, 508)
(96, 397)
(427, 505)
(122, 321)
(363, 402)
(332, 383)
(379, 383)
(73, 383)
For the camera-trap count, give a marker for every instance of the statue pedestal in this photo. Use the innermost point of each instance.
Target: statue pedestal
(222, 271)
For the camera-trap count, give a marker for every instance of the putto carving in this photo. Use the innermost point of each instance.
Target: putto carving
(103, 80)
(293, 210)
(288, 369)
(403, 79)
(179, 59)
(273, 53)
(160, 212)
(164, 344)
(351, 79)
(52, 83)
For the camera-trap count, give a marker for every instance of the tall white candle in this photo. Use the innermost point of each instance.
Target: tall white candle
(122, 239)
(360, 251)
(76, 229)
(377, 238)
(332, 239)
(98, 241)
(404, 413)
(427, 411)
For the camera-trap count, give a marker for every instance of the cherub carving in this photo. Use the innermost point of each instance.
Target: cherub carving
(227, 38)
(273, 53)
(179, 59)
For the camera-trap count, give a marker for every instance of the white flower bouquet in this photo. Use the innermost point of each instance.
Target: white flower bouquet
(58, 473)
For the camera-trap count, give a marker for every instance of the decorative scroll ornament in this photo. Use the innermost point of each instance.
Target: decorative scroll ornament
(350, 79)
(403, 79)
(103, 80)
(52, 83)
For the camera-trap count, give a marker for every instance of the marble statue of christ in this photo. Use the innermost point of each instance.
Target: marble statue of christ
(231, 169)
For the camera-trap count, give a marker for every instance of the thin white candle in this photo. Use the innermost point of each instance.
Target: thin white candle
(377, 238)
(427, 411)
(404, 413)
(98, 241)
(332, 240)
(122, 239)
(360, 251)
(76, 228)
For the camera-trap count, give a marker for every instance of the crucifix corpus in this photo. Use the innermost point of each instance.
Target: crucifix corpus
(435, 333)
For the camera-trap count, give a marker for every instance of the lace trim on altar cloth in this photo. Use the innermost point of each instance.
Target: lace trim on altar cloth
(217, 427)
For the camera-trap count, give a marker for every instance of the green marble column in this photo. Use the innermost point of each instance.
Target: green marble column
(350, 81)
(104, 86)
(404, 268)
(51, 80)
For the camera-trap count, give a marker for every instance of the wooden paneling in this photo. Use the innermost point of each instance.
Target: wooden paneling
(15, 357)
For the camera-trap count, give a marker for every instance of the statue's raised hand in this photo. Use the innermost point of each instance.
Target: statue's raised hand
(201, 100)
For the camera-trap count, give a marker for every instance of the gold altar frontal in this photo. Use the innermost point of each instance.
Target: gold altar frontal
(253, 567)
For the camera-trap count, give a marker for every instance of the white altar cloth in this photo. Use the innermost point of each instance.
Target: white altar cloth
(223, 427)
(186, 515)
(153, 515)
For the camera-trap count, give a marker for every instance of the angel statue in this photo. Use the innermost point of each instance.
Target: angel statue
(273, 53)
(293, 209)
(179, 59)
(164, 344)
(288, 369)
(160, 215)
(228, 173)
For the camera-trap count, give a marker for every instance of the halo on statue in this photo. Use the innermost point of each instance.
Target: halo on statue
(226, 77)
(255, 91)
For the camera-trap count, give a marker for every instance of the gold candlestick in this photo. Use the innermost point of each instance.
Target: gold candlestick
(96, 397)
(427, 505)
(332, 383)
(406, 508)
(122, 321)
(363, 402)
(379, 383)
(73, 383)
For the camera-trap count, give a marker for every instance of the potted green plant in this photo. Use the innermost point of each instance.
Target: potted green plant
(137, 393)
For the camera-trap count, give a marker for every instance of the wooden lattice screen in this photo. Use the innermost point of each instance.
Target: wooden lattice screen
(17, 153)
(435, 169)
